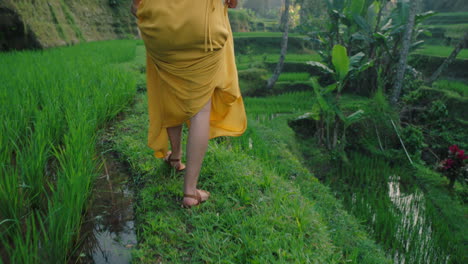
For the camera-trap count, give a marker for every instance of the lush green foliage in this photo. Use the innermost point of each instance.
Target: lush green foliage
(51, 105)
(377, 178)
(241, 20)
(253, 81)
(257, 212)
(327, 108)
(439, 114)
(371, 28)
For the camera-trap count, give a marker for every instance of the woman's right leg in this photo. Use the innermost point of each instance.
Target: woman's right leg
(196, 148)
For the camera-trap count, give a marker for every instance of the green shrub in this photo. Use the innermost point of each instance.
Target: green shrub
(240, 20)
(414, 139)
(253, 82)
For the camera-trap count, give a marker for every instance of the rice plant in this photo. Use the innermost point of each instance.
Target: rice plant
(441, 51)
(394, 210)
(458, 87)
(52, 104)
(294, 76)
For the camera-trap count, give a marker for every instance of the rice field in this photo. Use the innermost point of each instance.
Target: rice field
(262, 34)
(394, 209)
(448, 18)
(459, 87)
(400, 214)
(441, 51)
(451, 30)
(52, 105)
(294, 76)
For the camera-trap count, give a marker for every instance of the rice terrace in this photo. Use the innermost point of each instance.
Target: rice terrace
(356, 148)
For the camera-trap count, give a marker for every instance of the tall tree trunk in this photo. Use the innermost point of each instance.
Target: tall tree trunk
(284, 47)
(400, 76)
(448, 60)
(371, 79)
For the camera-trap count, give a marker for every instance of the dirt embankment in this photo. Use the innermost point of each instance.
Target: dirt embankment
(27, 24)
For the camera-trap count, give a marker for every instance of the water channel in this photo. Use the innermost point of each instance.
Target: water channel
(108, 233)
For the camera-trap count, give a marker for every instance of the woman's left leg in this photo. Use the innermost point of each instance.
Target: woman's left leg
(175, 138)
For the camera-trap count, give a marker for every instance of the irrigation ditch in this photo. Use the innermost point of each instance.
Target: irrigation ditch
(108, 233)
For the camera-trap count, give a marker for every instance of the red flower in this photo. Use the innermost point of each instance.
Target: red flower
(460, 154)
(454, 149)
(448, 163)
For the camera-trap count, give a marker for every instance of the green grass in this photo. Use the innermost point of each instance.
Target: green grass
(294, 76)
(441, 51)
(248, 61)
(52, 104)
(258, 212)
(261, 109)
(455, 31)
(464, 14)
(263, 35)
(458, 87)
(448, 18)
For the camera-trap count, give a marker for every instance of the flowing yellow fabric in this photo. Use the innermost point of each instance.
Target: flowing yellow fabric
(189, 59)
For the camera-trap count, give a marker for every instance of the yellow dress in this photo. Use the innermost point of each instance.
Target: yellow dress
(189, 59)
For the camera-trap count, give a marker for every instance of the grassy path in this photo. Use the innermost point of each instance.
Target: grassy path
(265, 206)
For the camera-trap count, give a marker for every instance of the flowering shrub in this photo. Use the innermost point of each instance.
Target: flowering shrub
(455, 165)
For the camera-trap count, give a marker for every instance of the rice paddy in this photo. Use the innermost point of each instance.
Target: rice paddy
(267, 207)
(455, 86)
(393, 209)
(52, 104)
(441, 51)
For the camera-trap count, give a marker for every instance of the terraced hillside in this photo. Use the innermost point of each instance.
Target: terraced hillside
(26, 24)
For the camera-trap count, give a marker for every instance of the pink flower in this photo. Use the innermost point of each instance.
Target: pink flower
(454, 149)
(460, 154)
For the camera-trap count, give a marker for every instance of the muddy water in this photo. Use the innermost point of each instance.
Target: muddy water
(108, 233)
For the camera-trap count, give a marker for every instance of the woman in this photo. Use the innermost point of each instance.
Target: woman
(191, 78)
